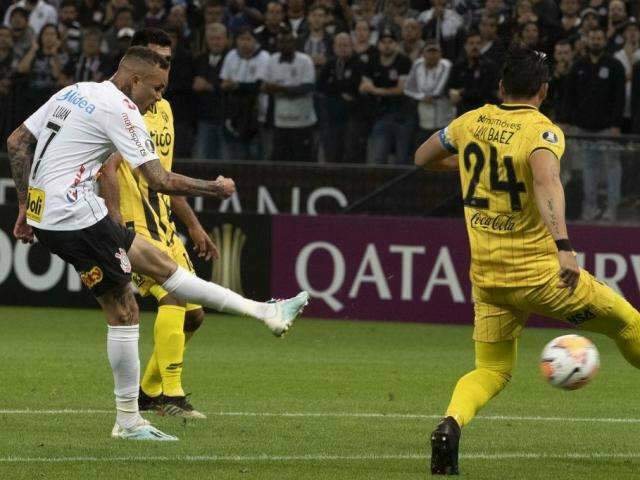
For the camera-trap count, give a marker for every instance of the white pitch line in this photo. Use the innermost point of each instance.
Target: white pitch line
(406, 416)
(319, 458)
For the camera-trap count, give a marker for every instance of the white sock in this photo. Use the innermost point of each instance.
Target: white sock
(190, 288)
(122, 349)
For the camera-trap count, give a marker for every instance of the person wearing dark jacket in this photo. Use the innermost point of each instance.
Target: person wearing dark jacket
(474, 80)
(339, 81)
(267, 34)
(209, 95)
(594, 103)
(242, 73)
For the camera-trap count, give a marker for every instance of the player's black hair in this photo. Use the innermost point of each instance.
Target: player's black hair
(146, 55)
(151, 36)
(524, 72)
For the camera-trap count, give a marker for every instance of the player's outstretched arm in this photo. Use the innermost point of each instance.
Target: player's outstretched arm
(202, 243)
(171, 183)
(21, 146)
(109, 188)
(432, 155)
(549, 196)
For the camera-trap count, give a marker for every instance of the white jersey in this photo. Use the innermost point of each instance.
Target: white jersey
(77, 129)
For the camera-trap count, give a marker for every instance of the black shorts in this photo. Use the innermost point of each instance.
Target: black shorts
(98, 253)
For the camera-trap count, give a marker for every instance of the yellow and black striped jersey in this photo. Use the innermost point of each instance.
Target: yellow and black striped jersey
(510, 244)
(146, 211)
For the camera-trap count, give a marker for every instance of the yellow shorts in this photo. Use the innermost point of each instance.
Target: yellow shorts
(501, 313)
(148, 286)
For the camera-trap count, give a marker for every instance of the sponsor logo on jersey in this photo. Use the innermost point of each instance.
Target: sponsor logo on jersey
(125, 264)
(92, 277)
(581, 317)
(72, 195)
(73, 97)
(162, 140)
(550, 137)
(497, 223)
(133, 135)
(35, 204)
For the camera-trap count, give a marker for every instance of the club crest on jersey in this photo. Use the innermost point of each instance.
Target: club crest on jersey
(125, 264)
(550, 137)
(72, 195)
(91, 277)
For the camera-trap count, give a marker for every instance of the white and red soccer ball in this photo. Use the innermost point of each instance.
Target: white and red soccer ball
(569, 361)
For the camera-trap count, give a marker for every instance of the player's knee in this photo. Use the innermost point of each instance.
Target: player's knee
(171, 300)
(120, 306)
(193, 320)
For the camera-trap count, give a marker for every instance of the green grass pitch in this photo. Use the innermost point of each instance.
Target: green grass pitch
(333, 400)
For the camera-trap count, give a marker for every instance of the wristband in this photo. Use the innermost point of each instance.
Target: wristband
(564, 245)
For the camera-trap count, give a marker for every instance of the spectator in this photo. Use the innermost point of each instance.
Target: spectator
(242, 16)
(555, 102)
(412, 43)
(589, 19)
(112, 8)
(491, 47)
(364, 42)
(69, 27)
(214, 12)
(444, 25)
(547, 13)
(91, 13)
(92, 65)
(615, 25)
(316, 43)
(122, 18)
(156, 14)
(8, 66)
(296, 18)
(43, 65)
(522, 13)
(473, 81)
(40, 14)
(595, 102)
(495, 8)
(267, 34)
(427, 84)
(383, 80)
(207, 87)
(123, 42)
(291, 79)
(628, 55)
(570, 20)
(22, 35)
(393, 16)
(177, 21)
(339, 16)
(365, 10)
(180, 94)
(343, 138)
(242, 74)
(529, 36)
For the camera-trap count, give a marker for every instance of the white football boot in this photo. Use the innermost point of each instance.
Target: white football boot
(143, 430)
(286, 312)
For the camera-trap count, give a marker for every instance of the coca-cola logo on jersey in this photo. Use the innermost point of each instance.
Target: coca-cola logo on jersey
(497, 223)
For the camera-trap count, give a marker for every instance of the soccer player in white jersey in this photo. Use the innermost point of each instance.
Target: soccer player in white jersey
(69, 138)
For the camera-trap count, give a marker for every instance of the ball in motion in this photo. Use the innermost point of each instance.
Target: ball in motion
(569, 361)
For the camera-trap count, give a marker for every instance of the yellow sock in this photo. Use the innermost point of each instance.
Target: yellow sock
(151, 383)
(169, 348)
(494, 362)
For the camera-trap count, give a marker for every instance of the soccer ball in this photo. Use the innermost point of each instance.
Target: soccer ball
(569, 362)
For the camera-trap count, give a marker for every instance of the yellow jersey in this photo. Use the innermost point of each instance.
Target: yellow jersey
(142, 209)
(510, 244)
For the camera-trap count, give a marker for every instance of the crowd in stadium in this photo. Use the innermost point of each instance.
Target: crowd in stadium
(332, 80)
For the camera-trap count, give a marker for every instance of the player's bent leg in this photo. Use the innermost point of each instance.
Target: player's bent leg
(122, 349)
(192, 322)
(148, 260)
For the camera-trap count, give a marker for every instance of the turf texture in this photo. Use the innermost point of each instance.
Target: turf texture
(332, 400)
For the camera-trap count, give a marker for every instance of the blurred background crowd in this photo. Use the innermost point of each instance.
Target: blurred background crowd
(336, 80)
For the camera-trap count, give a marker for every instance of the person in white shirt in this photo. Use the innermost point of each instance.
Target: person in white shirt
(291, 79)
(628, 55)
(242, 73)
(40, 13)
(426, 83)
(68, 139)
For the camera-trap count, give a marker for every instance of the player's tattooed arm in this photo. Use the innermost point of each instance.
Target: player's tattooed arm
(171, 183)
(548, 192)
(21, 146)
